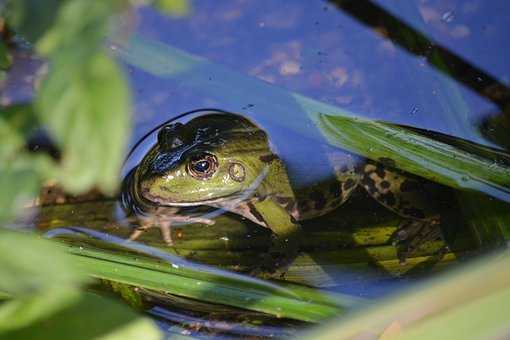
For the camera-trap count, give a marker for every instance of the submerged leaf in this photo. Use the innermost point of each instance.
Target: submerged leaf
(38, 277)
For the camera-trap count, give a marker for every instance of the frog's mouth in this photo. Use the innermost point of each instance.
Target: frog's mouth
(164, 202)
(233, 199)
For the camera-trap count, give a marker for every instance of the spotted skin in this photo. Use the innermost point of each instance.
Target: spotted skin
(402, 193)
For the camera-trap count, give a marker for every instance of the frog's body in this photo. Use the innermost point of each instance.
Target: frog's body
(225, 161)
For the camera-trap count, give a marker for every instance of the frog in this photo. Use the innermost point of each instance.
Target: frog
(225, 161)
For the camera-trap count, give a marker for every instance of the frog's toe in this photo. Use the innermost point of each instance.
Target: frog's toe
(166, 232)
(136, 233)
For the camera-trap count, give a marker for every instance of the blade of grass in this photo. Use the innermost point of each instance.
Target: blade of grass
(185, 279)
(423, 156)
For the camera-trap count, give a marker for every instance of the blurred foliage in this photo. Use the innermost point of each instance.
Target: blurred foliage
(82, 101)
(38, 279)
(20, 172)
(472, 303)
(41, 296)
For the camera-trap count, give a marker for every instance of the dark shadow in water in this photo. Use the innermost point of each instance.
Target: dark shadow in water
(496, 128)
(419, 44)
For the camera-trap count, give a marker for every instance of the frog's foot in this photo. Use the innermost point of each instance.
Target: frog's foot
(164, 223)
(277, 259)
(412, 234)
(145, 224)
(271, 265)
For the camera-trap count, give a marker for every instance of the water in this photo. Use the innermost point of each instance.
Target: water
(336, 59)
(435, 65)
(339, 56)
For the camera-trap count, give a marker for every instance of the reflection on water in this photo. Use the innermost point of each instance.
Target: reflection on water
(322, 52)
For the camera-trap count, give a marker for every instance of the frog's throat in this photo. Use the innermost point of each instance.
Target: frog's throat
(232, 199)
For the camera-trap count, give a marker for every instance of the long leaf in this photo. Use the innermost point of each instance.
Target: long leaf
(174, 275)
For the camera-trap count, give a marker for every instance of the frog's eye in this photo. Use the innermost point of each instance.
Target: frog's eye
(202, 166)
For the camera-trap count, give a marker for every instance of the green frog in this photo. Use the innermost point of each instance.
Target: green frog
(225, 161)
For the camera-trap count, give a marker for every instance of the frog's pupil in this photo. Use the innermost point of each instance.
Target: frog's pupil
(201, 166)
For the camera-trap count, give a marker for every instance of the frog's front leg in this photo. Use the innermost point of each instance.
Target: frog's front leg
(409, 197)
(286, 233)
(164, 218)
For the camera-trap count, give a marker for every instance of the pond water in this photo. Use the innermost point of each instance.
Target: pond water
(438, 66)
(434, 65)
(319, 50)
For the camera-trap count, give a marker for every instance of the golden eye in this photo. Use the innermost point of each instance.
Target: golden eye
(237, 172)
(202, 166)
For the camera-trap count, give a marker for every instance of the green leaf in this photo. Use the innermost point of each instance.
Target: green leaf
(84, 100)
(86, 108)
(20, 184)
(176, 8)
(38, 277)
(488, 319)
(418, 154)
(89, 317)
(22, 311)
(38, 265)
(209, 284)
(16, 124)
(80, 28)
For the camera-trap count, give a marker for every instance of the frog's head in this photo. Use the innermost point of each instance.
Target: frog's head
(211, 159)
